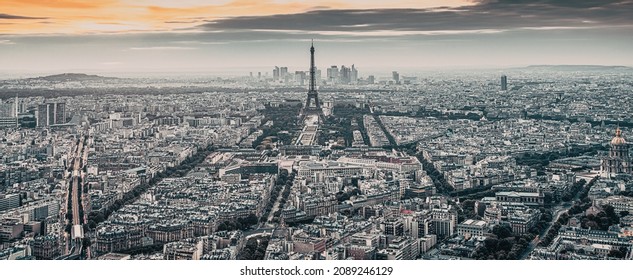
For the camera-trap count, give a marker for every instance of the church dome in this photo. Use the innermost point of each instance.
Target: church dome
(618, 140)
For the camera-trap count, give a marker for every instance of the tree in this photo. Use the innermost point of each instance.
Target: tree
(502, 231)
(251, 219)
(619, 253)
(341, 196)
(609, 211)
(491, 243)
(505, 244)
(592, 225)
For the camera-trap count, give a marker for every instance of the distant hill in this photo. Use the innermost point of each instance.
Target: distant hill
(72, 77)
(579, 67)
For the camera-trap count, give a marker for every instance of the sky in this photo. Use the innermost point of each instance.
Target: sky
(197, 35)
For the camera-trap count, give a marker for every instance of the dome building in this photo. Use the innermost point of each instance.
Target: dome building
(618, 161)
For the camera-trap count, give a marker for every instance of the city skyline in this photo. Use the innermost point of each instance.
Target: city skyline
(153, 131)
(159, 36)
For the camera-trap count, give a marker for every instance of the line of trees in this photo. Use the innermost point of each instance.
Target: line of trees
(540, 160)
(553, 231)
(341, 122)
(575, 188)
(284, 118)
(583, 203)
(284, 197)
(150, 249)
(361, 128)
(469, 193)
(575, 120)
(441, 185)
(544, 221)
(579, 206)
(282, 178)
(392, 141)
(439, 114)
(334, 128)
(504, 245)
(239, 224)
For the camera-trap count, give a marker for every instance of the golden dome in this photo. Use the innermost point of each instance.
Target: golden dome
(618, 139)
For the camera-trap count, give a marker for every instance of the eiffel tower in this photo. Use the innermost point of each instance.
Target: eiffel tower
(312, 106)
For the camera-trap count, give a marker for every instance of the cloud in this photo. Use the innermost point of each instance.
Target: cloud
(193, 42)
(319, 8)
(557, 3)
(182, 21)
(385, 33)
(161, 48)
(325, 15)
(7, 16)
(498, 16)
(61, 4)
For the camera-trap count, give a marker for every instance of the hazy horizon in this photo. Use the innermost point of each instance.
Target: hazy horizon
(245, 71)
(165, 36)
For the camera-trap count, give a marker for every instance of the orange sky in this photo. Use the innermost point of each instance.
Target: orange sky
(100, 16)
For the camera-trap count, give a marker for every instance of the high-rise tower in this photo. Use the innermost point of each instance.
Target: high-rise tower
(312, 92)
(312, 106)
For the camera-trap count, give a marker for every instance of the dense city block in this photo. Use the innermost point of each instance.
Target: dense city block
(531, 164)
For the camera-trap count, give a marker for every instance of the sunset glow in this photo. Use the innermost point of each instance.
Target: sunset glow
(80, 17)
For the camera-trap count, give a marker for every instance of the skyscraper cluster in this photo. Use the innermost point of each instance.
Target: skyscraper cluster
(343, 76)
(334, 76)
(280, 74)
(51, 113)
